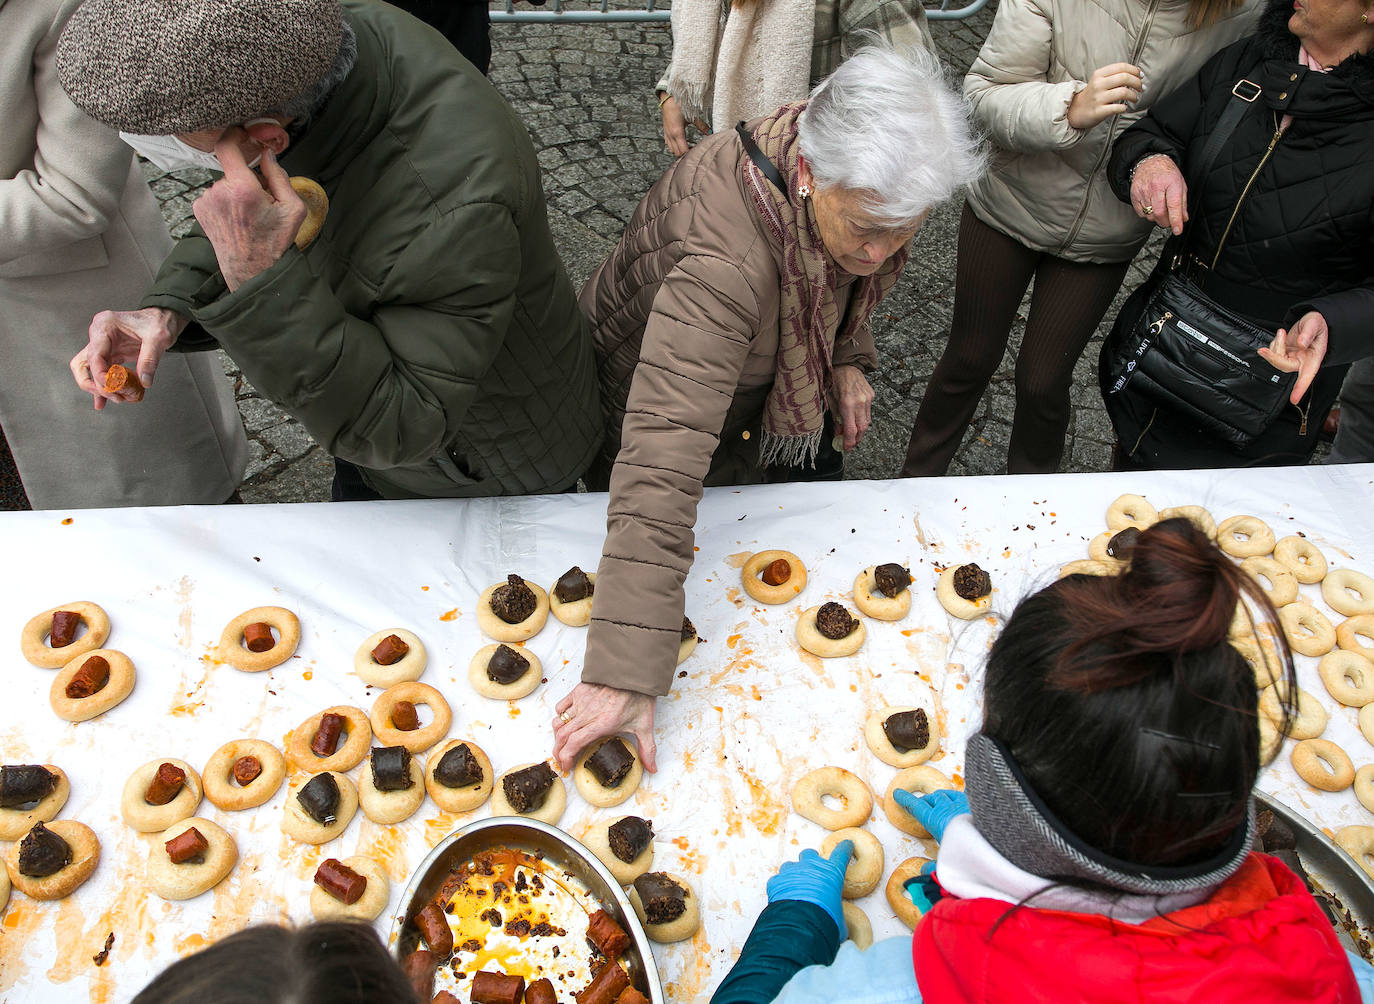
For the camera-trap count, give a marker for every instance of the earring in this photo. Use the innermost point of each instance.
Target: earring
(804, 191)
(1365, 17)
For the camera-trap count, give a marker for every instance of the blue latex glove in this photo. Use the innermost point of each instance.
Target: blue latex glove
(933, 811)
(814, 879)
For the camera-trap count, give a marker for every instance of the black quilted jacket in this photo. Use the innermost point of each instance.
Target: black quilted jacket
(1303, 238)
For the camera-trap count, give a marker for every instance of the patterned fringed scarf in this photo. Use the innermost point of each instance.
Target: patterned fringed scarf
(808, 315)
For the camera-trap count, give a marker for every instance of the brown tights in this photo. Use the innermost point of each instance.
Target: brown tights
(1069, 300)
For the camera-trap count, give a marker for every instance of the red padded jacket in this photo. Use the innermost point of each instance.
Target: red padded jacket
(1259, 937)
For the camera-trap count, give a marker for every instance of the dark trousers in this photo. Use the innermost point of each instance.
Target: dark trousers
(1069, 301)
(462, 22)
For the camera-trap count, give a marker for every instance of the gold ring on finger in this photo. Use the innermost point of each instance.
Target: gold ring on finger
(1147, 210)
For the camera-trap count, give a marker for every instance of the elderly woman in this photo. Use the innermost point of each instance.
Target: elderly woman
(1281, 228)
(733, 311)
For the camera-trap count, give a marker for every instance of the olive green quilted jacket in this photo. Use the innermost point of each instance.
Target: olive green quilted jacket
(429, 334)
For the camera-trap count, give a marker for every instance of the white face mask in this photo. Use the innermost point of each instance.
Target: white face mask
(168, 153)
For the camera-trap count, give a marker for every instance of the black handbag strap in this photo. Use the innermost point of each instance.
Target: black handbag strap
(1243, 93)
(760, 161)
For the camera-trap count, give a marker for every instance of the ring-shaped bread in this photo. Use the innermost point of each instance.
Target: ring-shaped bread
(956, 605)
(598, 841)
(1262, 657)
(575, 613)
(391, 807)
(1087, 566)
(522, 686)
(923, 779)
(368, 907)
(551, 811)
(82, 709)
(285, 626)
(468, 797)
(810, 789)
(1271, 740)
(145, 818)
(1348, 677)
(408, 667)
(1097, 550)
(1200, 517)
(1245, 537)
(881, 746)
(1283, 586)
(1352, 629)
(224, 792)
(902, 907)
(345, 757)
(1365, 720)
(1307, 629)
(592, 790)
(762, 591)
(1363, 786)
(1358, 842)
(33, 638)
(865, 869)
(191, 878)
(873, 603)
(1301, 557)
(65, 881)
(686, 647)
(4, 888)
(14, 823)
(1348, 592)
(416, 740)
(1131, 510)
(810, 638)
(679, 929)
(858, 926)
(1307, 716)
(494, 627)
(297, 823)
(1323, 764)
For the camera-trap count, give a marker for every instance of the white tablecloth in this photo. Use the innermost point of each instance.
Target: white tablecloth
(752, 714)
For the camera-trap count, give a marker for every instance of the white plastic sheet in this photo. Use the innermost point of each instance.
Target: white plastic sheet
(752, 714)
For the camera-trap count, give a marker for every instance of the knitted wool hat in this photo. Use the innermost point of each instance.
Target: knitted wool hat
(158, 67)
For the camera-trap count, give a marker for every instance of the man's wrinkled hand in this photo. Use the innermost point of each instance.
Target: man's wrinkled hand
(852, 402)
(249, 219)
(593, 712)
(133, 338)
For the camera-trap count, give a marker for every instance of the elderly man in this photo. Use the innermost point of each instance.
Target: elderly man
(428, 336)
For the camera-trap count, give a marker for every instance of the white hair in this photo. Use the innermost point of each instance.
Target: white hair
(889, 124)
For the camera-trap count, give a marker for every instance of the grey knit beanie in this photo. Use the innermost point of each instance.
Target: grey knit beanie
(157, 67)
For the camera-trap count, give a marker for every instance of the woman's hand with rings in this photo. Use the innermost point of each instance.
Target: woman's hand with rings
(675, 126)
(593, 712)
(1159, 192)
(1111, 90)
(1299, 349)
(135, 338)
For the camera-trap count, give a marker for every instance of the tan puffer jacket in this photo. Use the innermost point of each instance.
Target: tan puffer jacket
(684, 316)
(1047, 184)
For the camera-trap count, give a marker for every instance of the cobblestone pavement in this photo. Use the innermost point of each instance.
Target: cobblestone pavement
(586, 93)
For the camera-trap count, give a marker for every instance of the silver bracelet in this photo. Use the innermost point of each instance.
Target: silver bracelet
(1142, 160)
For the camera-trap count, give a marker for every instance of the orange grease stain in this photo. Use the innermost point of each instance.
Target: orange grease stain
(738, 559)
(424, 589)
(513, 711)
(68, 521)
(307, 675)
(452, 615)
(733, 640)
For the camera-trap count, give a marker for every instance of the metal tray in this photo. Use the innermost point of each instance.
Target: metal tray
(1341, 887)
(557, 848)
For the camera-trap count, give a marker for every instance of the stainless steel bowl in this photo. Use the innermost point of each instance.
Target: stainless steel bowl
(557, 848)
(1340, 885)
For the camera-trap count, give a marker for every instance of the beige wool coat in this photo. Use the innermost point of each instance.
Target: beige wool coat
(684, 315)
(80, 233)
(1047, 185)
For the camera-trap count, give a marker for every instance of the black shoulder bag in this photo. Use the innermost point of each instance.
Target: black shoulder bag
(1188, 354)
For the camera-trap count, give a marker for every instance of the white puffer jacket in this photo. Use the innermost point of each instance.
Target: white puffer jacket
(1047, 184)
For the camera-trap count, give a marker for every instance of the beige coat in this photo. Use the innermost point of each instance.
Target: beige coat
(80, 233)
(684, 315)
(1047, 183)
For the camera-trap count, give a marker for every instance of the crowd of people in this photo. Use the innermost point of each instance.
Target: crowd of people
(428, 337)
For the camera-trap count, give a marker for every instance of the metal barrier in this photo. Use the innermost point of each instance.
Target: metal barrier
(651, 12)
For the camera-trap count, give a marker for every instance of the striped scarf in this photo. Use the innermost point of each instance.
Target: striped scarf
(809, 314)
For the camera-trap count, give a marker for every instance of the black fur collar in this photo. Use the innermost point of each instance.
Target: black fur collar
(1277, 42)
